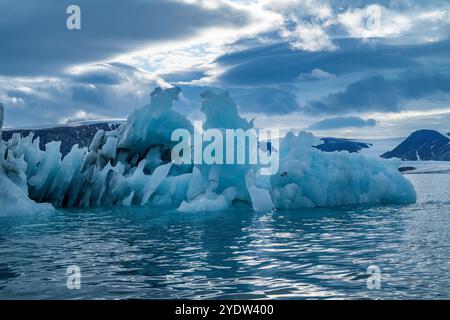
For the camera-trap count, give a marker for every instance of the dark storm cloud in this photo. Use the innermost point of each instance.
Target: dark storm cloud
(376, 93)
(102, 76)
(183, 76)
(342, 122)
(268, 101)
(87, 95)
(279, 63)
(35, 40)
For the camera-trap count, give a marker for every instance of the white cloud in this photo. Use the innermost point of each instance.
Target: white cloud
(80, 116)
(315, 75)
(374, 21)
(301, 8)
(406, 26)
(305, 23)
(308, 37)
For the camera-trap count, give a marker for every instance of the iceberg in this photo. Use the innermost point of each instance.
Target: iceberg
(132, 165)
(14, 196)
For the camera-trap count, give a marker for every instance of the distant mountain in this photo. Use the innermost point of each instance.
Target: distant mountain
(340, 144)
(422, 145)
(69, 135)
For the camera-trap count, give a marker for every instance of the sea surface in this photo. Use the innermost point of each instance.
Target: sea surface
(148, 253)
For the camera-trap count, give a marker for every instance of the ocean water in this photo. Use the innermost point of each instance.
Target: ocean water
(238, 254)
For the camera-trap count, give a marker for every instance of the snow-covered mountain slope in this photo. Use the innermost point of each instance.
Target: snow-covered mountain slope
(422, 145)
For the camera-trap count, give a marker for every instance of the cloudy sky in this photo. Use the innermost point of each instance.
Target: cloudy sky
(345, 68)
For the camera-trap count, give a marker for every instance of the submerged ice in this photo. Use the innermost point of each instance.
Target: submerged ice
(132, 165)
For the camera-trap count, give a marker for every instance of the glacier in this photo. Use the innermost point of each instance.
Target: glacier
(132, 165)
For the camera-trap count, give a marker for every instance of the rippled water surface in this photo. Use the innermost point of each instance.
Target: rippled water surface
(157, 253)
